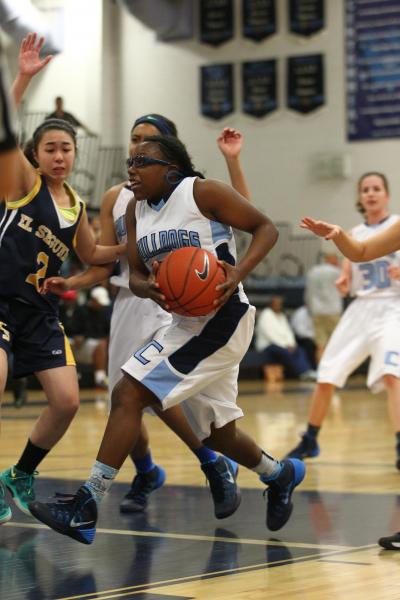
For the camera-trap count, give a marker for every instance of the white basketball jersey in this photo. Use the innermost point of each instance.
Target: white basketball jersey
(371, 279)
(177, 223)
(119, 210)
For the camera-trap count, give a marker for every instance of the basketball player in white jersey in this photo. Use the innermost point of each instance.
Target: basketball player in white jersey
(192, 361)
(133, 319)
(377, 279)
(370, 325)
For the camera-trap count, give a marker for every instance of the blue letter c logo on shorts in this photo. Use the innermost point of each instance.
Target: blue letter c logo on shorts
(392, 359)
(139, 353)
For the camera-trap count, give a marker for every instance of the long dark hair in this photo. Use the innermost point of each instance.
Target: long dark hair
(173, 150)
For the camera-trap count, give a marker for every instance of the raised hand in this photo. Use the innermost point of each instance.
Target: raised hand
(29, 61)
(320, 228)
(230, 142)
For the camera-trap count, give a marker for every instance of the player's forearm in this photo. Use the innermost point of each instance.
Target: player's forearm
(86, 279)
(138, 284)
(238, 180)
(100, 255)
(349, 247)
(264, 239)
(19, 86)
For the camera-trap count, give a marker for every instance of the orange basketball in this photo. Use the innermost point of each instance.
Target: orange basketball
(188, 278)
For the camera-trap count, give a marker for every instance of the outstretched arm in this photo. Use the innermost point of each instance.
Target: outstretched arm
(230, 142)
(383, 243)
(91, 253)
(29, 64)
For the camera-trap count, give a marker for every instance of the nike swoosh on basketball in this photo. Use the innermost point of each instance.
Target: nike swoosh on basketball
(74, 523)
(204, 273)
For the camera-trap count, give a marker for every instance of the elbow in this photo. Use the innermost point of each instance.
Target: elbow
(273, 234)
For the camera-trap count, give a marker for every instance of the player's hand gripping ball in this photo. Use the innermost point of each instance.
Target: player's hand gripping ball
(188, 278)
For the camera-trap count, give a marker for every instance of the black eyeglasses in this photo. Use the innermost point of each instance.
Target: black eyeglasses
(140, 160)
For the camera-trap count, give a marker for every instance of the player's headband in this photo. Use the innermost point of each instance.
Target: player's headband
(158, 122)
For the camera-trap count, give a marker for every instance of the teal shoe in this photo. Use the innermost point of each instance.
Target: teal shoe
(20, 486)
(5, 510)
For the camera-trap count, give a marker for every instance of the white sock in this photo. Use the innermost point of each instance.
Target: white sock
(268, 467)
(99, 376)
(100, 480)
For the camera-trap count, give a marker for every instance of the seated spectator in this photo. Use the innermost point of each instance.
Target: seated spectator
(276, 341)
(88, 328)
(303, 329)
(323, 299)
(60, 113)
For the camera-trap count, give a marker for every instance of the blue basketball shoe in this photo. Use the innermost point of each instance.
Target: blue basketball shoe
(307, 448)
(143, 484)
(221, 476)
(280, 490)
(75, 516)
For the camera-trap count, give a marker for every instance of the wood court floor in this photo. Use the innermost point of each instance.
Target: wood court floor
(178, 550)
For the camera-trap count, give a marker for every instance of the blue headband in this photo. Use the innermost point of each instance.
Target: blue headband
(158, 122)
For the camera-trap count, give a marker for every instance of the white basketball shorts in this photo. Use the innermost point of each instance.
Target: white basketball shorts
(133, 322)
(195, 363)
(368, 327)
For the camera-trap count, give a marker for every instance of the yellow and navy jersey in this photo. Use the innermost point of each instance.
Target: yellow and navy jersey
(36, 237)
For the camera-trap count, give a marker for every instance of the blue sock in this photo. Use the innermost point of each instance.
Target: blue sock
(205, 455)
(145, 464)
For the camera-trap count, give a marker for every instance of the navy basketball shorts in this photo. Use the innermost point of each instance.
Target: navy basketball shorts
(35, 337)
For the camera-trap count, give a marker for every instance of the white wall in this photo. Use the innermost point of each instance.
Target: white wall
(114, 70)
(280, 150)
(76, 73)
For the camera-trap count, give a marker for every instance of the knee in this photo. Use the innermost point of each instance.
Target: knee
(68, 406)
(218, 438)
(391, 382)
(124, 397)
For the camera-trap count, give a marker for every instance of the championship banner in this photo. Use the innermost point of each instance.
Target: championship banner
(306, 17)
(216, 90)
(216, 21)
(305, 83)
(259, 87)
(373, 69)
(258, 19)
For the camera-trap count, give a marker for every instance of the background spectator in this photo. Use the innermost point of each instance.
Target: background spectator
(303, 329)
(323, 300)
(88, 327)
(276, 340)
(60, 113)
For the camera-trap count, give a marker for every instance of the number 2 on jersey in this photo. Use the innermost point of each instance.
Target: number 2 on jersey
(35, 278)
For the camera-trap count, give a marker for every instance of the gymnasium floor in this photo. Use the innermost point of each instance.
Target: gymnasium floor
(178, 550)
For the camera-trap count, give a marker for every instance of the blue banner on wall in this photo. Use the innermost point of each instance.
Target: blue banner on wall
(373, 69)
(258, 19)
(306, 17)
(305, 83)
(216, 90)
(259, 87)
(216, 21)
